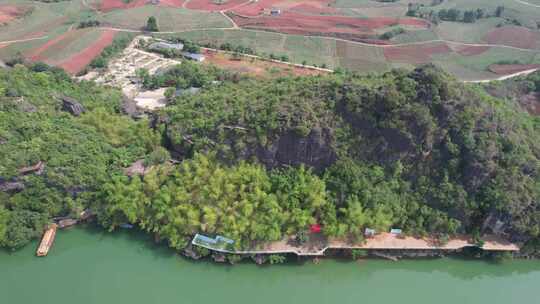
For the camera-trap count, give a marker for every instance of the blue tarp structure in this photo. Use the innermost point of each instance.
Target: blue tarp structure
(219, 243)
(219, 238)
(395, 231)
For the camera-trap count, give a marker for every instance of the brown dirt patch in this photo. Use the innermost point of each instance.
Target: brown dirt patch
(109, 5)
(506, 69)
(79, 61)
(53, 45)
(11, 12)
(255, 67)
(171, 3)
(531, 102)
(468, 50)
(415, 54)
(314, 7)
(210, 5)
(515, 36)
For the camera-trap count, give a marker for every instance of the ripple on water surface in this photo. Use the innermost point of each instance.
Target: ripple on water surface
(89, 266)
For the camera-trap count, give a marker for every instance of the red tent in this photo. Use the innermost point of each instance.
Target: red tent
(315, 228)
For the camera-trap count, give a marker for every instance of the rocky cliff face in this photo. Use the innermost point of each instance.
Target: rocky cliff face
(288, 149)
(314, 150)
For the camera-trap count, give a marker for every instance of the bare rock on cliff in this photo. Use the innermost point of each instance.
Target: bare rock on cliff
(292, 149)
(37, 169)
(137, 168)
(72, 106)
(11, 186)
(129, 107)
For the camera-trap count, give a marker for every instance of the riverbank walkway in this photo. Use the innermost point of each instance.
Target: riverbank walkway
(382, 241)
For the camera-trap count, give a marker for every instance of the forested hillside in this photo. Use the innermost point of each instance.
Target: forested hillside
(524, 91)
(261, 160)
(78, 153)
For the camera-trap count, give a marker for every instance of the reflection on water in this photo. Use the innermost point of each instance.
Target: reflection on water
(127, 267)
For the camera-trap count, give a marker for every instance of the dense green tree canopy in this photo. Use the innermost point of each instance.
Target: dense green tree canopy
(78, 153)
(263, 160)
(434, 152)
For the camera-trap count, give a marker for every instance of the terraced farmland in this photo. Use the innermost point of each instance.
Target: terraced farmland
(334, 33)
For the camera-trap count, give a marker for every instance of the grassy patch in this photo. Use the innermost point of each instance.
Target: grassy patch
(467, 32)
(298, 48)
(415, 36)
(168, 19)
(476, 66)
(361, 58)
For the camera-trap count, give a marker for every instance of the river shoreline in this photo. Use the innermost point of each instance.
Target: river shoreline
(351, 255)
(200, 253)
(197, 253)
(94, 266)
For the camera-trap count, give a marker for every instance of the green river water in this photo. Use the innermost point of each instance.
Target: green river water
(90, 266)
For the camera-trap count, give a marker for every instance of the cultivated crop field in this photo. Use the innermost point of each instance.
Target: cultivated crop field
(361, 35)
(313, 50)
(169, 19)
(254, 67)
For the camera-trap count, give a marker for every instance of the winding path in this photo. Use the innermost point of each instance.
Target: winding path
(23, 40)
(382, 241)
(457, 43)
(333, 38)
(234, 26)
(527, 3)
(522, 73)
(88, 6)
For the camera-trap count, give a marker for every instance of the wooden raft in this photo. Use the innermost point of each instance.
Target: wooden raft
(47, 240)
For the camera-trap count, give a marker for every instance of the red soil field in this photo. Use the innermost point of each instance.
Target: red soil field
(294, 23)
(35, 55)
(259, 68)
(209, 5)
(171, 3)
(305, 6)
(108, 5)
(9, 12)
(515, 36)
(313, 8)
(506, 69)
(79, 61)
(469, 50)
(415, 54)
